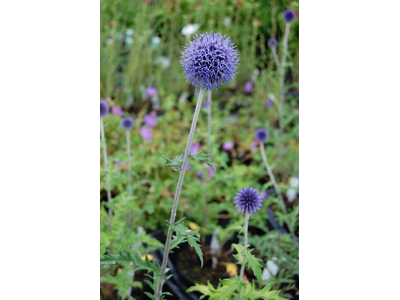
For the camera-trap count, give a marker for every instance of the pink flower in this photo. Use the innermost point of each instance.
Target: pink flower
(227, 146)
(117, 111)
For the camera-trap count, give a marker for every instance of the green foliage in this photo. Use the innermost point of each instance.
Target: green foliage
(252, 262)
(177, 162)
(230, 287)
(126, 259)
(184, 234)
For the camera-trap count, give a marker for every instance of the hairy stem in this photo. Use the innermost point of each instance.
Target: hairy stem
(177, 194)
(106, 169)
(282, 77)
(246, 227)
(276, 58)
(271, 175)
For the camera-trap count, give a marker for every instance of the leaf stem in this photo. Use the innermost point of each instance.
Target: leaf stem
(177, 194)
(277, 191)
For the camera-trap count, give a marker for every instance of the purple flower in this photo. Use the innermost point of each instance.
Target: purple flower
(150, 120)
(117, 163)
(210, 60)
(117, 111)
(264, 195)
(272, 42)
(103, 109)
(227, 146)
(127, 123)
(200, 175)
(210, 171)
(194, 149)
(248, 201)
(145, 133)
(248, 87)
(188, 166)
(261, 135)
(289, 16)
(206, 105)
(268, 103)
(253, 145)
(151, 91)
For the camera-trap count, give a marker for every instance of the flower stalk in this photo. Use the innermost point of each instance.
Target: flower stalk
(282, 77)
(283, 206)
(106, 171)
(177, 194)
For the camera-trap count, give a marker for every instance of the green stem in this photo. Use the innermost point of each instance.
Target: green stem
(271, 175)
(107, 174)
(177, 194)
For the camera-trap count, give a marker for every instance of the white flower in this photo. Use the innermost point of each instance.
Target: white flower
(227, 21)
(163, 61)
(270, 270)
(156, 40)
(129, 31)
(291, 193)
(128, 40)
(189, 29)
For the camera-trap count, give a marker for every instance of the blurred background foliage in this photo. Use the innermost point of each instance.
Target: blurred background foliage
(141, 41)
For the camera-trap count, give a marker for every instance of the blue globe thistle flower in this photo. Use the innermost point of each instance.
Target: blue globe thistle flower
(272, 42)
(248, 200)
(261, 135)
(289, 16)
(210, 60)
(127, 123)
(103, 109)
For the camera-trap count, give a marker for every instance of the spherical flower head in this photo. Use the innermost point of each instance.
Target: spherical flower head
(150, 120)
(289, 16)
(261, 135)
(151, 91)
(248, 87)
(248, 200)
(272, 42)
(210, 60)
(268, 103)
(127, 123)
(117, 111)
(145, 133)
(103, 109)
(227, 146)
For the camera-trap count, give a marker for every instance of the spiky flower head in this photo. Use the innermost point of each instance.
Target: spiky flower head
(248, 200)
(127, 123)
(210, 60)
(272, 42)
(289, 16)
(103, 109)
(261, 135)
